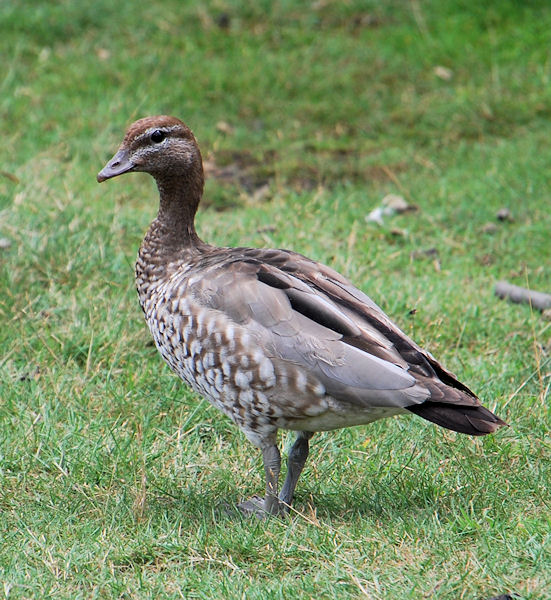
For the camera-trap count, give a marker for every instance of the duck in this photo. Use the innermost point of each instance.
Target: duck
(273, 339)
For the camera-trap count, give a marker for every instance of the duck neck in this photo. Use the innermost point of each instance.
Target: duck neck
(175, 222)
(171, 238)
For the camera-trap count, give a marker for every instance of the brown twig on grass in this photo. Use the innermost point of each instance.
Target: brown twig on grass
(514, 293)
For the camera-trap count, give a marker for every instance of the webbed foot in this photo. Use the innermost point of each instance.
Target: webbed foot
(262, 508)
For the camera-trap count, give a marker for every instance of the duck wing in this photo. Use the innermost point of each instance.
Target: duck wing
(451, 404)
(306, 313)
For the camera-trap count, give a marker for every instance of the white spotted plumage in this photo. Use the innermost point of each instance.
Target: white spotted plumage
(270, 337)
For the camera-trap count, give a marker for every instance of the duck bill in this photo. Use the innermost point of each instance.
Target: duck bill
(119, 164)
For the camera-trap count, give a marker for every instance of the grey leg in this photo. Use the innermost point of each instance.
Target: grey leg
(272, 466)
(297, 457)
(270, 505)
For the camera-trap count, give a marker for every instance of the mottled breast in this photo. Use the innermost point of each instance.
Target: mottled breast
(226, 362)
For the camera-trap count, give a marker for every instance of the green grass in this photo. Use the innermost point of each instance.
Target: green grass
(112, 474)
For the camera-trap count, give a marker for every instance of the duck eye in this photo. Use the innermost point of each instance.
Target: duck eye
(158, 136)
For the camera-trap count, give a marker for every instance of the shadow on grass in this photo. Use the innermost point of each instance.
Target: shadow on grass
(379, 501)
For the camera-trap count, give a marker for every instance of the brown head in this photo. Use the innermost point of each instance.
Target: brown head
(162, 146)
(165, 148)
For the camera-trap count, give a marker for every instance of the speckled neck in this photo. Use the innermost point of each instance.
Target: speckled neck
(171, 237)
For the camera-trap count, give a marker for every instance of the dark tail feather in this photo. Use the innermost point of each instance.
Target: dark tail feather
(472, 420)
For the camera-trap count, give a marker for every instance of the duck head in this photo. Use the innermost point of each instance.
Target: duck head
(162, 146)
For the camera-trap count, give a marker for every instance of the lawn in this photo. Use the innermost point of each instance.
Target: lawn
(114, 477)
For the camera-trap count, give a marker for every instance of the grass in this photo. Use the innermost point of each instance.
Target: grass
(112, 474)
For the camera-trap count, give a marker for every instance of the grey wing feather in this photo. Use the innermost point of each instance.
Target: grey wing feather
(306, 313)
(296, 323)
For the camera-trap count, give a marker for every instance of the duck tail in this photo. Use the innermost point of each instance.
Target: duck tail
(471, 420)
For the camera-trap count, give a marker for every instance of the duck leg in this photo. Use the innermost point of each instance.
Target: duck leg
(295, 463)
(270, 505)
(272, 467)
